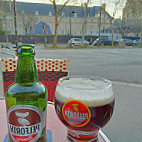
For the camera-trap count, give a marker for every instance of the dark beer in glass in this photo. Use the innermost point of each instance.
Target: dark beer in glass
(84, 105)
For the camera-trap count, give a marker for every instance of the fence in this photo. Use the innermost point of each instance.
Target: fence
(32, 39)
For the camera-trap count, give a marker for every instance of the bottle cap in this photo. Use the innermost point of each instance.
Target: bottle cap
(26, 49)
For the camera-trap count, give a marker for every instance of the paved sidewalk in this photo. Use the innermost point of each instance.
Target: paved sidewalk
(125, 125)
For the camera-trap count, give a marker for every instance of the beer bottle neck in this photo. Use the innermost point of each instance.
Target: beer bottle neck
(26, 73)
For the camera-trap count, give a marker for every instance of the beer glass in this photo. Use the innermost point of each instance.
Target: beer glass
(84, 105)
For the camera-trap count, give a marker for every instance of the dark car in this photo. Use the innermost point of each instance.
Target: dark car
(128, 42)
(104, 42)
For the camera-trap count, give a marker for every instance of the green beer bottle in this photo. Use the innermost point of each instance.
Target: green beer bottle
(26, 101)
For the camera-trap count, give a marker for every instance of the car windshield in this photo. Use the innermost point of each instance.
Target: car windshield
(76, 39)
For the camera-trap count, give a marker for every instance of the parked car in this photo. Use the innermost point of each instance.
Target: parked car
(137, 42)
(77, 42)
(128, 42)
(104, 41)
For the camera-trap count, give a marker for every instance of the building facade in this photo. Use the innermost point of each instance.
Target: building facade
(132, 17)
(133, 10)
(32, 16)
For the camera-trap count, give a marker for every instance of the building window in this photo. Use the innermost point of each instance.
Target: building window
(140, 14)
(50, 13)
(133, 15)
(97, 14)
(104, 29)
(128, 15)
(62, 32)
(22, 12)
(36, 13)
(75, 14)
(63, 14)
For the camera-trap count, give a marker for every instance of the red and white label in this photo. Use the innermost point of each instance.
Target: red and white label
(76, 113)
(25, 123)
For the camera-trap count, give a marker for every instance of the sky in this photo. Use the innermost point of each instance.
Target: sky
(109, 4)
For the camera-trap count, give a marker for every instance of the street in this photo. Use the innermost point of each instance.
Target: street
(123, 67)
(115, 64)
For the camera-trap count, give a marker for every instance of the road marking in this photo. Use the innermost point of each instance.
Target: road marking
(127, 83)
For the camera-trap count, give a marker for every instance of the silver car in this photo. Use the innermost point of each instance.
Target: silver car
(77, 42)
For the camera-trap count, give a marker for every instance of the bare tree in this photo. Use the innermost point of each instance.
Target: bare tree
(117, 6)
(4, 14)
(15, 22)
(123, 27)
(27, 20)
(100, 22)
(85, 6)
(135, 28)
(1, 27)
(1, 19)
(57, 20)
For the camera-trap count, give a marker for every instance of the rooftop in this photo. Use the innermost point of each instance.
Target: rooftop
(48, 10)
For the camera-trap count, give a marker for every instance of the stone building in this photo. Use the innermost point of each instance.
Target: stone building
(32, 16)
(133, 10)
(132, 16)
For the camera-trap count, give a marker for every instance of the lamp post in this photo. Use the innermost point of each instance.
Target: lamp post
(71, 22)
(44, 33)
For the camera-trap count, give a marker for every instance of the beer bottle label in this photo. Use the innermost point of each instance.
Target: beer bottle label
(76, 113)
(25, 123)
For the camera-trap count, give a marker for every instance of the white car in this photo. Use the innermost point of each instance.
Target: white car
(77, 42)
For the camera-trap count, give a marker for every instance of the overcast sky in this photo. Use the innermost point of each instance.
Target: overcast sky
(109, 4)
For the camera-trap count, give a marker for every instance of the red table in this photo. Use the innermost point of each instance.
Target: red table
(59, 131)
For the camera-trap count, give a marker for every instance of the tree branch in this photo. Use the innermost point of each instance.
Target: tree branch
(60, 10)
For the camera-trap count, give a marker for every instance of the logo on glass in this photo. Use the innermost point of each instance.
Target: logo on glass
(76, 113)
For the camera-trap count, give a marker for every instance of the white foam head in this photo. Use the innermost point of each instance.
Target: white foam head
(93, 92)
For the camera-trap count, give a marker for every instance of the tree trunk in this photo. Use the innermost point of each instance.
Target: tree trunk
(56, 32)
(83, 35)
(141, 38)
(112, 37)
(15, 23)
(84, 22)
(6, 33)
(100, 22)
(26, 31)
